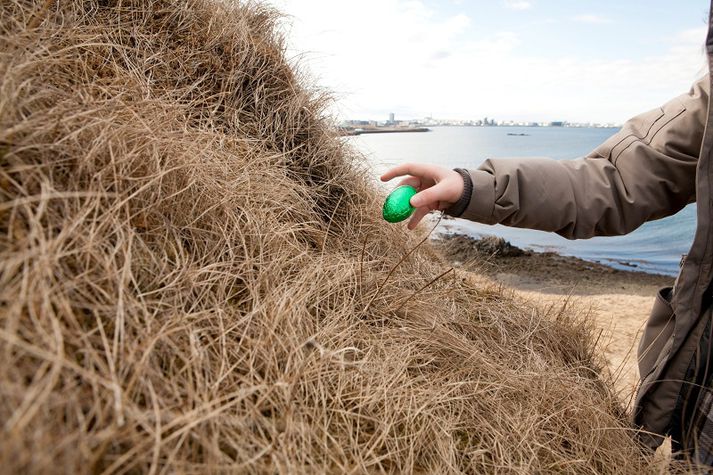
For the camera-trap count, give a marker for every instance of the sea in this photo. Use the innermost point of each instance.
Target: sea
(655, 247)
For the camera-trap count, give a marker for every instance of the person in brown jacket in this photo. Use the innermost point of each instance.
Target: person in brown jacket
(653, 167)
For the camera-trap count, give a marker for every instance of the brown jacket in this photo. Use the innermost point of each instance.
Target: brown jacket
(653, 167)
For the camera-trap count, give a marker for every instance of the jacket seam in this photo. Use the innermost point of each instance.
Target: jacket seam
(646, 139)
(636, 137)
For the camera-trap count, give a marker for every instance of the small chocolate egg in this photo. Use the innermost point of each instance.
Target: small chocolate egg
(397, 206)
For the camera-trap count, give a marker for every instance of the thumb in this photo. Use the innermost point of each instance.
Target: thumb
(429, 196)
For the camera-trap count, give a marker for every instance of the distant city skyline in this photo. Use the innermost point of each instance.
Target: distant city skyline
(525, 60)
(393, 119)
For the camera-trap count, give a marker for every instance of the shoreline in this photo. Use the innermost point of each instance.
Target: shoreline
(643, 252)
(493, 255)
(352, 132)
(617, 301)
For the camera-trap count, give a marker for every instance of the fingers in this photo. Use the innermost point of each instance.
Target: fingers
(416, 169)
(417, 217)
(398, 170)
(412, 180)
(438, 187)
(430, 197)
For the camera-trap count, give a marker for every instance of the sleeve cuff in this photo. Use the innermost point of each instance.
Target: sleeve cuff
(482, 200)
(459, 206)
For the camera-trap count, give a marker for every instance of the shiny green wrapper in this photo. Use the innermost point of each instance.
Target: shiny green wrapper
(397, 206)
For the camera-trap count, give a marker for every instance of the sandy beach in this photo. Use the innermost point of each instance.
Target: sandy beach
(618, 301)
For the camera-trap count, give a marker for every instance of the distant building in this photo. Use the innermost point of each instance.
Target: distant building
(356, 123)
(489, 123)
(557, 124)
(391, 118)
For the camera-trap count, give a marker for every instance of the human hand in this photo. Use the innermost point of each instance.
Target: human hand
(438, 187)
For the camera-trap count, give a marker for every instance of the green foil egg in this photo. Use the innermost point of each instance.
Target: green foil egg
(397, 206)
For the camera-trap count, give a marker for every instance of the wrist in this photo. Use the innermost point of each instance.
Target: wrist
(457, 208)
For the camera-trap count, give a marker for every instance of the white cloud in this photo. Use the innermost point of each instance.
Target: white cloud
(592, 19)
(374, 62)
(410, 60)
(518, 4)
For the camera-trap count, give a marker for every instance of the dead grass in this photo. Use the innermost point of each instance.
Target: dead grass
(193, 276)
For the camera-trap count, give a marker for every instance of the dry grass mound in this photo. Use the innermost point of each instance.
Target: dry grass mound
(195, 278)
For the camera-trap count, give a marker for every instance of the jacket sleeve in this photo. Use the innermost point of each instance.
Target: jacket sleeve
(645, 171)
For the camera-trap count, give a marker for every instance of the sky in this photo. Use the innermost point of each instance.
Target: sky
(526, 60)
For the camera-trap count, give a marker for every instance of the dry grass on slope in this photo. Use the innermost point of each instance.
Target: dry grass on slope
(193, 276)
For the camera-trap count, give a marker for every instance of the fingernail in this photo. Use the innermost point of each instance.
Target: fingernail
(415, 202)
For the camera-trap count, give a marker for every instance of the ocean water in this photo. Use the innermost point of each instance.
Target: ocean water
(655, 247)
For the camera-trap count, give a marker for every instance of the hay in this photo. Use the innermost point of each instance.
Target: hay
(194, 276)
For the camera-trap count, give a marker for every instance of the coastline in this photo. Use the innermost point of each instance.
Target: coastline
(618, 301)
(655, 247)
(350, 132)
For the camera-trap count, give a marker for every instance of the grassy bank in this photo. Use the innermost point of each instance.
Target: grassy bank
(194, 276)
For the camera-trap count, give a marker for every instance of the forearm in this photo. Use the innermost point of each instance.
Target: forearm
(574, 198)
